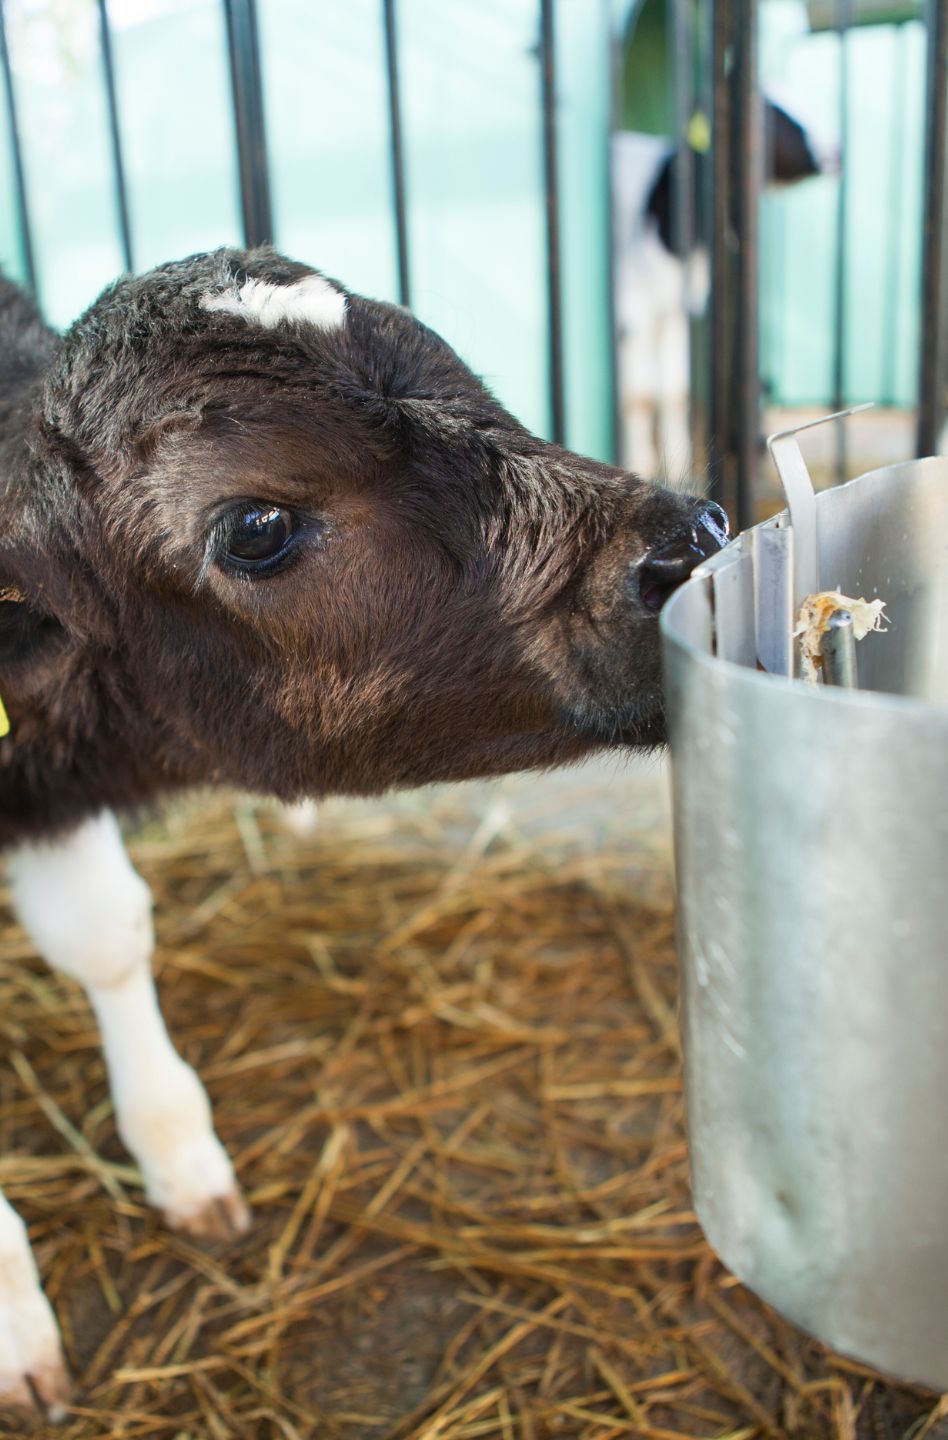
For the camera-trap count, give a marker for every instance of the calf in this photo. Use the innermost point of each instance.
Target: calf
(260, 532)
(656, 291)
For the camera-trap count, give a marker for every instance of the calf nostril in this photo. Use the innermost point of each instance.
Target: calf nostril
(712, 518)
(667, 567)
(673, 562)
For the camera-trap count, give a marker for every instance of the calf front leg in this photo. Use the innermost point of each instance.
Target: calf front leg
(89, 915)
(32, 1373)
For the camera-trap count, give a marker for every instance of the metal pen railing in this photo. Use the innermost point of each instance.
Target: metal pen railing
(933, 346)
(726, 364)
(397, 155)
(115, 138)
(256, 209)
(243, 45)
(552, 217)
(732, 423)
(24, 230)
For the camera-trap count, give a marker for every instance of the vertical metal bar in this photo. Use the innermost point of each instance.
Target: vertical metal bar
(722, 317)
(749, 182)
(19, 176)
(614, 40)
(551, 188)
(397, 154)
(684, 232)
(933, 348)
(702, 90)
(737, 171)
(842, 212)
(247, 86)
(888, 381)
(681, 81)
(115, 139)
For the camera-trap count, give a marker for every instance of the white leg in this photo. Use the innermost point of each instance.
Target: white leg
(302, 818)
(638, 379)
(89, 914)
(673, 415)
(32, 1372)
(639, 451)
(673, 356)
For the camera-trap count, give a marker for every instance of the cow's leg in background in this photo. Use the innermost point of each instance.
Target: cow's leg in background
(639, 374)
(674, 390)
(89, 915)
(653, 360)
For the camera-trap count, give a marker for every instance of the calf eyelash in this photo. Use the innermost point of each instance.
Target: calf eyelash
(256, 538)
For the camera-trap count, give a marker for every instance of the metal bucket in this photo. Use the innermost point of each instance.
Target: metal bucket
(812, 854)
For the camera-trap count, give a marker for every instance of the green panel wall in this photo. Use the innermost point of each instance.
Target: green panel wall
(883, 231)
(471, 92)
(472, 119)
(174, 106)
(11, 256)
(584, 116)
(63, 128)
(327, 133)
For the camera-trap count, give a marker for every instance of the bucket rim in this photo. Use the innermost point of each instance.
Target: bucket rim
(741, 675)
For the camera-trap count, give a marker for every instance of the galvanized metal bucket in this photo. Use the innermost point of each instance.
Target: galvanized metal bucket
(812, 854)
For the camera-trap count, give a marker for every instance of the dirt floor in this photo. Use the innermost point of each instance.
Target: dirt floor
(440, 1038)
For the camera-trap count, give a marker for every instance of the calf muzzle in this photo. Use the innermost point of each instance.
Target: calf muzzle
(667, 566)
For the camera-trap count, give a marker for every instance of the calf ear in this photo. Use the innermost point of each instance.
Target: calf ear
(24, 629)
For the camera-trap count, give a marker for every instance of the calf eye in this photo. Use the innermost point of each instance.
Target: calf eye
(258, 536)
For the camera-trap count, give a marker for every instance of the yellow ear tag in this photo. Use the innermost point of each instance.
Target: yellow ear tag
(698, 133)
(13, 595)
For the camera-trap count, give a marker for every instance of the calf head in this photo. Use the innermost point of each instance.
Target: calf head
(298, 547)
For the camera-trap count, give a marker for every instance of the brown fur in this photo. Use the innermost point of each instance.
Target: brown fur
(462, 599)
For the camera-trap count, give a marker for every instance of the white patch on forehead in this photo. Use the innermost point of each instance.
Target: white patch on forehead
(310, 301)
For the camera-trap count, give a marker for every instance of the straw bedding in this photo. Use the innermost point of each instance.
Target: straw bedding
(445, 1059)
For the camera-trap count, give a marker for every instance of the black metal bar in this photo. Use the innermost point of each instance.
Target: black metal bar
(842, 212)
(615, 92)
(736, 177)
(681, 14)
(933, 347)
(244, 46)
(551, 189)
(684, 189)
(397, 154)
(115, 138)
(704, 324)
(749, 169)
(19, 176)
(890, 327)
(722, 318)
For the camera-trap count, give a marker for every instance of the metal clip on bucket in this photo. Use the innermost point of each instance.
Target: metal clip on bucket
(812, 853)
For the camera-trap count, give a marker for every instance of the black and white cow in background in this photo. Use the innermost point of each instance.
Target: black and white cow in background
(656, 292)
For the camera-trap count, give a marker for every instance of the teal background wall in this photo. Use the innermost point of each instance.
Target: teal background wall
(327, 133)
(799, 229)
(470, 79)
(174, 101)
(799, 232)
(473, 156)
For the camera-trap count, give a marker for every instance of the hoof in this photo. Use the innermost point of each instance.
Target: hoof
(43, 1394)
(224, 1217)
